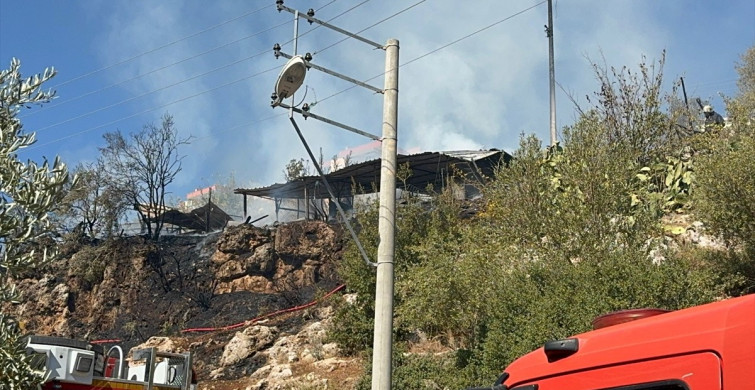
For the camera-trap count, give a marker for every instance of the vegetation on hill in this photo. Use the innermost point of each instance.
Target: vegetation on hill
(567, 233)
(29, 192)
(562, 234)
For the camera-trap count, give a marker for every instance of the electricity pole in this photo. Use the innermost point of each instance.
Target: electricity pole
(290, 79)
(383, 336)
(552, 71)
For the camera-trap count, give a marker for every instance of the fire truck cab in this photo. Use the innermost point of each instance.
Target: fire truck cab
(707, 347)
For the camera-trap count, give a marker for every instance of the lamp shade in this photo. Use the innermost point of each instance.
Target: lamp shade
(291, 77)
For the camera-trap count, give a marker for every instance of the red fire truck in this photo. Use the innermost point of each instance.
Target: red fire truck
(69, 364)
(707, 347)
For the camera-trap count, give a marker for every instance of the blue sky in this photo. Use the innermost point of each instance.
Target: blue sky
(122, 64)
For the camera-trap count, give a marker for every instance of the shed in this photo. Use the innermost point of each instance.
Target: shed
(433, 169)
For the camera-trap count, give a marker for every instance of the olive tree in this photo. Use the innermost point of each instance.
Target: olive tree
(29, 192)
(92, 205)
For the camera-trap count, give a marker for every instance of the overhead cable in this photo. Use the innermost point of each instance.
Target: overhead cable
(151, 92)
(172, 85)
(472, 34)
(138, 76)
(151, 109)
(159, 69)
(161, 47)
(441, 47)
(370, 26)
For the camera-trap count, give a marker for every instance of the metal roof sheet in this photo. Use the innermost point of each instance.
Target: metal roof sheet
(428, 169)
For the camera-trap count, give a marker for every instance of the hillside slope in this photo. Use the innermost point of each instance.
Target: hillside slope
(139, 292)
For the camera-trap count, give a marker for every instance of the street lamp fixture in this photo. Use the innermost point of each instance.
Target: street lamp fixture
(290, 79)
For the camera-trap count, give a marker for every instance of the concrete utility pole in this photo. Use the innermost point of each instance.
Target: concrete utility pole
(549, 32)
(383, 336)
(290, 79)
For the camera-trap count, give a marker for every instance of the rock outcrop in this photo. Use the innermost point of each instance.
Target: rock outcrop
(146, 294)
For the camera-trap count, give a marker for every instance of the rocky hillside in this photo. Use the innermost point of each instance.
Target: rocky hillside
(139, 292)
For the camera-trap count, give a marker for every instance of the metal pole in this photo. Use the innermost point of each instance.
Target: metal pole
(307, 114)
(330, 26)
(246, 213)
(336, 74)
(383, 337)
(293, 101)
(207, 214)
(332, 195)
(552, 72)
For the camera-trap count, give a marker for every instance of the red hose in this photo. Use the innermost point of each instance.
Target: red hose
(273, 314)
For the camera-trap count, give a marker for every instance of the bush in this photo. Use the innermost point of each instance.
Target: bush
(566, 234)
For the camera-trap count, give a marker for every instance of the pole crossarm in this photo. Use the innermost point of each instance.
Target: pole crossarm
(333, 73)
(282, 7)
(307, 114)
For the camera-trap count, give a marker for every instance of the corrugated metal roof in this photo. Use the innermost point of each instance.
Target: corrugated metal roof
(428, 169)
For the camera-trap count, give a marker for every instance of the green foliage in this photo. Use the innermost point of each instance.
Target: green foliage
(89, 263)
(28, 191)
(92, 204)
(724, 197)
(567, 233)
(725, 186)
(630, 108)
(16, 367)
(665, 186)
(744, 104)
(411, 224)
(421, 371)
(296, 169)
(28, 194)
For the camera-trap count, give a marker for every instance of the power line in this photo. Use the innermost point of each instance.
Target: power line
(175, 63)
(472, 34)
(274, 68)
(149, 93)
(246, 124)
(160, 47)
(172, 85)
(331, 19)
(370, 26)
(331, 2)
(157, 70)
(441, 47)
(151, 109)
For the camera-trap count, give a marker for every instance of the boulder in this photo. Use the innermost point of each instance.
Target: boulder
(246, 343)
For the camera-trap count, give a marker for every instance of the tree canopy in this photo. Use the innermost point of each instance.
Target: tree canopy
(29, 192)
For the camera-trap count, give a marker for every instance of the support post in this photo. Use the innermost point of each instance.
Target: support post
(383, 336)
(207, 213)
(246, 212)
(306, 203)
(552, 71)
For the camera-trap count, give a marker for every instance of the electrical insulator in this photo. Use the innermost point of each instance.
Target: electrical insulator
(310, 13)
(276, 50)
